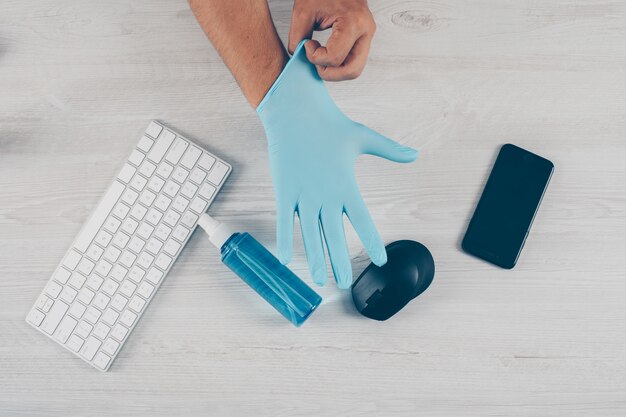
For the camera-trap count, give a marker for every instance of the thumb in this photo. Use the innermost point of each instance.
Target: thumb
(301, 28)
(378, 145)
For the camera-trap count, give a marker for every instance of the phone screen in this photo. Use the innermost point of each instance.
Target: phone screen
(507, 207)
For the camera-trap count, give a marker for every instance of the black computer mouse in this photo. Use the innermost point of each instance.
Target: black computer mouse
(382, 291)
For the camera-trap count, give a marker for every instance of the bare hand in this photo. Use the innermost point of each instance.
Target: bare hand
(353, 27)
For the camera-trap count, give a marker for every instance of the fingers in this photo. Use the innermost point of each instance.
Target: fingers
(378, 145)
(302, 24)
(332, 224)
(364, 226)
(351, 67)
(339, 44)
(284, 232)
(311, 235)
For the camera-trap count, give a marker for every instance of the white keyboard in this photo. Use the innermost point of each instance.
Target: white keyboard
(107, 278)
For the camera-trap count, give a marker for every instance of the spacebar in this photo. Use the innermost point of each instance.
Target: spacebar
(99, 216)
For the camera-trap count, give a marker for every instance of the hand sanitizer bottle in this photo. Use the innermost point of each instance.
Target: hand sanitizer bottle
(262, 271)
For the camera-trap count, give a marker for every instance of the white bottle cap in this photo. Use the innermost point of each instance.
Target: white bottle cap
(218, 232)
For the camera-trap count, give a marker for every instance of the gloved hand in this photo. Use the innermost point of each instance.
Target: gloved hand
(312, 149)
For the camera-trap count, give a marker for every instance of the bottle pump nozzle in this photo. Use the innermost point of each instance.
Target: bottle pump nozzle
(218, 232)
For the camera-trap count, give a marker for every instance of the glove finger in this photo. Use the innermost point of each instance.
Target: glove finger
(364, 226)
(284, 232)
(378, 145)
(311, 235)
(332, 225)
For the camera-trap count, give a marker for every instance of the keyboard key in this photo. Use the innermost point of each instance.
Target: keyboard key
(190, 157)
(101, 331)
(61, 275)
(103, 268)
(147, 169)
(109, 287)
(112, 224)
(163, 261)
(126, 173)
(86, 266)
(154, 246)
(119, 302)
(179, 147)
(121, 240)
(72, 258)
(145, 290)
(147, 197)
(118, 273)
(90, 348)
(129, 226)
(139, 182)
(189, 219)
(156, 184)
(207, 191)
(35, 317)
(145, 260)
(68, 294)
(180, 233)
(94, 252)
(189, 190)
(145, 230)
(92, 314)
(218, 173)
(206, 161)
(197, 175)
(75, 343)
(136, 157)
(128, 288)
(171, 218)
(136, 304)
(138, 212)
(77, 280)
(94, 223)
(171, 247)
(95, 282)
(103, 238)
(128, 318)
(85, 296)
(165, 170)
(101, 300)
(53, 289)
(199, 205)
(110, 346)
(136, 274)
(112, 254)
(180, 175)
(162, 202)
(77, 310)
(161, 146)
(101, 360)
(136, 244)
(83, 329)
(119, 332)
(154, 276)
(54, 316)
(154, 216)
(162, 232)
(110, 316)
(121, 210)
(44, 303)
(145, 143)
(129, 196)
(128, 258)
(154, 130)
(65, 329)
(171, 188)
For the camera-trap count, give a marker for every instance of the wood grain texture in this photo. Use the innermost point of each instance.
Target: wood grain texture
(79, 80)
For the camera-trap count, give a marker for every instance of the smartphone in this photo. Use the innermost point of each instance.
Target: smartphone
(507, 207)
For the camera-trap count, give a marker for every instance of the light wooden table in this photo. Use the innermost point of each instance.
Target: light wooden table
(79, 81)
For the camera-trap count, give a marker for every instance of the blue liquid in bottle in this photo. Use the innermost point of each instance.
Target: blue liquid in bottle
(254, 264)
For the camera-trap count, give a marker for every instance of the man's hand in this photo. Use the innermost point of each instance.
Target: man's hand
(345, 53)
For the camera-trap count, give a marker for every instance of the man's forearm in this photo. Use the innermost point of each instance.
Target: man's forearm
(244, 35)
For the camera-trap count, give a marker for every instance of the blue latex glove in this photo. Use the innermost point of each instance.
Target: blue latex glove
(312, 150)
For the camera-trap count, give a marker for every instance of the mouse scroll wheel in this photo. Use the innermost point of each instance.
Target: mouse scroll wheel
(374, 298)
